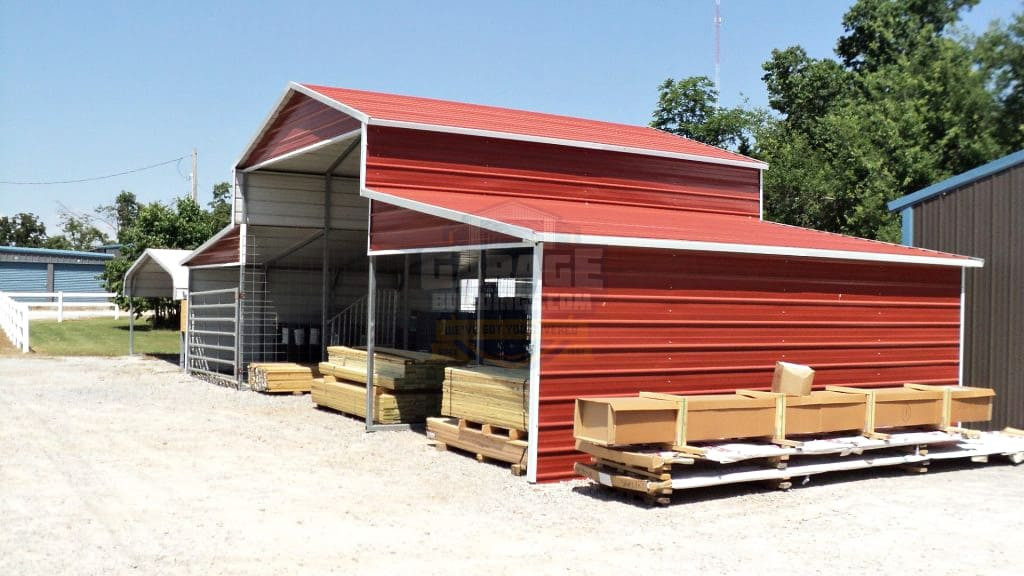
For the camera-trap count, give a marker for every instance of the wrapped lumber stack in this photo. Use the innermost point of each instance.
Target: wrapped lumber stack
(407, 384)
(280, 377)
(492, 395)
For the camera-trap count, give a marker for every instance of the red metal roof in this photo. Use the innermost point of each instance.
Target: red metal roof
(594, 223)
(380, 108)
(222, 248)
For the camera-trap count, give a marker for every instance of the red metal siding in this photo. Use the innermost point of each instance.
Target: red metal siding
(445, 113)
(619, 320)
(302, 122)
(223, 251)
(394, 228)
(511, 171)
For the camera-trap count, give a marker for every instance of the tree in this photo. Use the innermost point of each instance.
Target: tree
(183, 224)
(689, 107)
(22, 229)
(79, 233)
(1001, 56)
(905, 105)
(220, 206)
(121, 213)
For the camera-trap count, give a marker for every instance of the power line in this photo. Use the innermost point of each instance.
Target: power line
(47, 183)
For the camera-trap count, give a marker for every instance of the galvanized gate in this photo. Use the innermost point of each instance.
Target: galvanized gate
(212, 342)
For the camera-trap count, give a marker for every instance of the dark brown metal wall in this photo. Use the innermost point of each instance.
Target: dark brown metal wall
(986, 219)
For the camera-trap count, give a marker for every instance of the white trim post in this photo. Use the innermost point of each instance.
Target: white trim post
(371, 328)
(963, 318)
(536, 308)
(60, 306)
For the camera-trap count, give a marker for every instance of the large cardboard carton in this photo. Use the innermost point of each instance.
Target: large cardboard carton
(792, 379)
(723, 416)
(825, 412)
(624, 421)
(897, 407)
(971, 405)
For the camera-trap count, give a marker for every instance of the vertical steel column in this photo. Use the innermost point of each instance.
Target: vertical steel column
(131, 328)
(238, 333)
(963, 319)
(371, 304)
(325, 265)
(405, 303)
(479, 306)
(536, 308)
(188, 328)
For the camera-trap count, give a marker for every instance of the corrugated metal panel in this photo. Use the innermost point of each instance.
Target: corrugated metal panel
(638, 222)
(294, 200)
(518, 122)
(223, 251)
(618, 321)
(82, 278)
(986, 219)
(394, 228)
(22, 277)
(301, 122)
(508, 170)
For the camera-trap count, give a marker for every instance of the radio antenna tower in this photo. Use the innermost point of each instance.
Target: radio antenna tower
(718, 42)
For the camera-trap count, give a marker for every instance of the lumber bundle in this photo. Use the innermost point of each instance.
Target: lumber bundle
(393, 369)
(487, 395)
(654, 418)
(388, 408)
(484, 441)
(280, 377)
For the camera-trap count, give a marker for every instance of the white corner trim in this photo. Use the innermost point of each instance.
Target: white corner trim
(448, 214)
(565, 142)
(536, 309)
(304, 150)
(441, 249)
(267, 121)
(328, 101)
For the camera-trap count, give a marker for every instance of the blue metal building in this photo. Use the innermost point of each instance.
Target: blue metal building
(47, 270)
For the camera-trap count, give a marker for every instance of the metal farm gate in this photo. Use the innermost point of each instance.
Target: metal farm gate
(212, 335)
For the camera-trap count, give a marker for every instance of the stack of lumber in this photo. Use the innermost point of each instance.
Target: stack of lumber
(487, 395)
(393, 369)
(407, 385)
(350, 398)
(280, 377)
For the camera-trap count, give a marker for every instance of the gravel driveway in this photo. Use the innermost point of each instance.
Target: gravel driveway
(125, 466)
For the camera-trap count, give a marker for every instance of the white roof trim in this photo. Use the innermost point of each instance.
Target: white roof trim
(226, 265)
(328, 101)
(266, 122)
(697, 246)
(224, 232)
(463, 217)
(566, 142)
(301, 151)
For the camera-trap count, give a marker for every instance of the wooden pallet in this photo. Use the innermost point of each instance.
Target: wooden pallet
(491, 394)
(656, 473)
(485, 441)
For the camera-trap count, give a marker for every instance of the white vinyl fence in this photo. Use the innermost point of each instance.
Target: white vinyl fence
(68, 304)
(14, 321)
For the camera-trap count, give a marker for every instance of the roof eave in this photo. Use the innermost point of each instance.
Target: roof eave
(960, 180)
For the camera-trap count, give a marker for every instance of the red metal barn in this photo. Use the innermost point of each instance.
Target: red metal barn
(641, 256)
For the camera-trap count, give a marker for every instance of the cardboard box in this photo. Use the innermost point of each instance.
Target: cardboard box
(792, 379)
(624, 421)
(971, 405)
(723, 416)
(897, 407)
(825, 412)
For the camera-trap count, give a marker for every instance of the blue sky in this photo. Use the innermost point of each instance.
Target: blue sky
(99, 87)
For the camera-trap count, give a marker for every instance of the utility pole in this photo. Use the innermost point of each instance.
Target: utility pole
(718, 43)
(195, 175)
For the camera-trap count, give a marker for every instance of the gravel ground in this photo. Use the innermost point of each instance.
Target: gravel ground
(124, 465)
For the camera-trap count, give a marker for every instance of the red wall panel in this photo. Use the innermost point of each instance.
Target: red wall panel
(223, 251)
(421, 160)
(393, 228)
(302, 122)
(620, 320)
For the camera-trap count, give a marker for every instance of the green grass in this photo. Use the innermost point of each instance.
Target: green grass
(98, 337)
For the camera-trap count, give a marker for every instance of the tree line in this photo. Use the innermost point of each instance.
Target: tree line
(909, 99)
